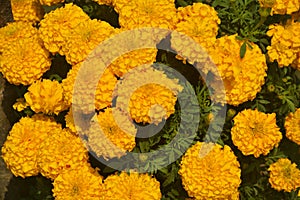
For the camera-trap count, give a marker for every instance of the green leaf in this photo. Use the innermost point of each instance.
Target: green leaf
(243, 50)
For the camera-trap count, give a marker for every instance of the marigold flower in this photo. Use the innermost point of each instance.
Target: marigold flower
(46, 96)
(281, 7)
(20, 150)
(146, 13)
(60, 151)
(105, 2)
(242, 77)
(51, 2)
(115, 136)
(284, 175)
(27, 10)
(79, 183)
(103, 93)
(147, 94)
(210, 172)
(133, 186)
(20, 104)
(24, 61)
(15, 31)
(132, 59)
(57, 25)
(255, 132)
(285, 43)
(292, 126)
(84, 38)
(198, 21)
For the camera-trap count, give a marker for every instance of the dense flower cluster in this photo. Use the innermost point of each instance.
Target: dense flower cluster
(210, 172)
(79, 183)
(292, 126)
(60, 151)
(20, 150)
(45, 96)
(27, 10)
(285, 44)
(131, 186)
(284, 175)
(255, 133)
(241, 77)
(115, 135)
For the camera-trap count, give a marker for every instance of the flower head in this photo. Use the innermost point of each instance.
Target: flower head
(60, 151)
(57, 26)
(24, 61)
(103, 93)
(242, 77)
(147, 94)
(15, 31)
(210, 172)
(20, 150)
(281, 7)
(132, 186)
(255, 133)
(78, 183)
(27, 10)
(146, 13)
(50, 2)
(45, 96)
(284, 175)
(115, 136)
(285, 43)
(292, 126)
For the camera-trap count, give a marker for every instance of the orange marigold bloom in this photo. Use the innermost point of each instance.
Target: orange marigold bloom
(57, 25)
(281, 7)
(292, 126)
(27, 10)
(20, 150)
(255, 133)
(24, 61)
(146, 13)
(60, 151)
(79, 183)
(51, 2)
(45, 96)
(284, 175)
(242, 77)
(115, 136)
(285, 43)
(133, 186)
(210, 172)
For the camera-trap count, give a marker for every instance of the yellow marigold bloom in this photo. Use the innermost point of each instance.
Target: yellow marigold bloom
(242, 77)
(210, 172)
(284, 175)
(21, 147)
(103, 93)
(57, 25)
(292, 126)
(51, 2)
(60, 151)
(24, 61)
(198, 21)
(133, 186)
(46, 96)
(15, 31)
(296, 63)
(104, 2)
(285, 43)
(282, 7)
(27, 10)
(255, 133)
(70, 124)
(147, 94)
(146, 13)
(116, 134)
(85, 37)
(132, 59)
(20, 105)
(80, 183)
